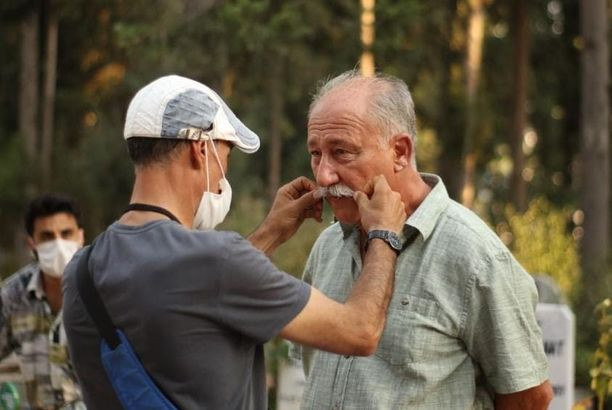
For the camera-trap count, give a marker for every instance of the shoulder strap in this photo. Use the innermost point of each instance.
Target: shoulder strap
(151, 208)
(92, 301)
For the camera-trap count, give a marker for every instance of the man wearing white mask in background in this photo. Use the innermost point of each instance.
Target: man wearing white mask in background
(30, 319)
(196, 304)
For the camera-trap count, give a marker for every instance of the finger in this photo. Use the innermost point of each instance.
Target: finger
(375, 186)
(315, 213)
(307, 200)
(380, 186)
(380, 182)
(308, 183)
(360, 198)
(299, 186)
(368, 189)
(319, 211)
(303, 184)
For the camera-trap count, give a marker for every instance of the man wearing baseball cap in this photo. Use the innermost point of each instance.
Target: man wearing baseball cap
(197, 304)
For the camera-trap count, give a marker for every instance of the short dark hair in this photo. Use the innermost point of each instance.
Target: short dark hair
(145, 151)
(50, 204)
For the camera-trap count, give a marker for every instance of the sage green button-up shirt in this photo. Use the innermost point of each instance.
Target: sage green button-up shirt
(460, 327)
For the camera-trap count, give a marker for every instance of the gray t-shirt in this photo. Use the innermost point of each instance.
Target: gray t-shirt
(196, 307)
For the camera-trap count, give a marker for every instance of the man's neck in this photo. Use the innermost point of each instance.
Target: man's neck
(413, 190)
(53, 291)
(164, 187)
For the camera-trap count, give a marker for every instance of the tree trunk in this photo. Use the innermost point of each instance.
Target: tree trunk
(519, 104)
(275, 96)
(595, 175)
(473, 61)
(49, 97)
(449, 162)
(28, 85)
(368, 17)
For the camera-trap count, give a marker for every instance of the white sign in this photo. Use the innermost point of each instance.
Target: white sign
(557, 324)
(291, 383)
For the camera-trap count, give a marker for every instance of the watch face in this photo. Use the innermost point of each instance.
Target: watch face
(391, 238)
(395, 242)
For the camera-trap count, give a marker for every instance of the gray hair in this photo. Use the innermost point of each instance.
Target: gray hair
(391, 107)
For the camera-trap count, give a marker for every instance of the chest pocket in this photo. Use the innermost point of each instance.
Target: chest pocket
(412, 331)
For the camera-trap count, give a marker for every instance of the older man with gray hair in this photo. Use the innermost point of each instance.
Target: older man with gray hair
(461, 331)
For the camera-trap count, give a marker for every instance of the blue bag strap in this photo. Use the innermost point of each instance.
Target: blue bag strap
(92, 301)
(134, 389)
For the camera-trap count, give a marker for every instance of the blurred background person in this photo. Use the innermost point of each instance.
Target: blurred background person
(30, 317)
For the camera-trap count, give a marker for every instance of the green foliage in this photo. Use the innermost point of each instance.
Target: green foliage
(12, 175)
(428, 150)
(291, 256)
(110, 48)
(13, 183)
(98, 173)
(541, 242)
(247, 212)
(601, 372)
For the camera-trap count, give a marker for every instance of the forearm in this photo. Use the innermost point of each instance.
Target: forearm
(265, 238)
(371, 294)
(535, 398)
(353, 327)
(293, 203)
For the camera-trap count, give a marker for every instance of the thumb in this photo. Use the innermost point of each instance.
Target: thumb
(306, 200)
(360, 198)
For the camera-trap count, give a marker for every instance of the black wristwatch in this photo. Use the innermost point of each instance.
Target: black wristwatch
(391, 238)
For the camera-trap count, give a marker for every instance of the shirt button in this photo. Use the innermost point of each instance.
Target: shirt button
(405, 301)
(347, 357)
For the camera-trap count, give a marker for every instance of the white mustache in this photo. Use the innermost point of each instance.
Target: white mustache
(336, 190)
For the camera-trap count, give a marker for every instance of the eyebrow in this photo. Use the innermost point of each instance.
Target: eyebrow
(335, 141)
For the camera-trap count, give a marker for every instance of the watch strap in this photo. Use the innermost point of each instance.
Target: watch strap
(391, 238)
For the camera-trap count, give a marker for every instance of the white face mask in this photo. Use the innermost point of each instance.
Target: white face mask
(53, 256)
(213, 207)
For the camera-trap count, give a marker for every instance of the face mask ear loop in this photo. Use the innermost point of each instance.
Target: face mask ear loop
(206, 155)
(218, 160)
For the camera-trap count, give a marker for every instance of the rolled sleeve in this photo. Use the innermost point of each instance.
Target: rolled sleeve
(500, 328)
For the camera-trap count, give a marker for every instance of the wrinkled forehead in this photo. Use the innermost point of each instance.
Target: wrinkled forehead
(340, 116)
(362, 89)
(344, 98)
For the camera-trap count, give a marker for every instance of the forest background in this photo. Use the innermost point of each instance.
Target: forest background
(512, 101)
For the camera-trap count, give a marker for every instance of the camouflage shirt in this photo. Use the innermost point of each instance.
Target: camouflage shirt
(30, 329)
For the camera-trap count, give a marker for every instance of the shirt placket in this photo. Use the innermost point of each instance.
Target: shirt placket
(56, 359)
(345, 362)
(44, 391)
(353, 246)
(341, 381)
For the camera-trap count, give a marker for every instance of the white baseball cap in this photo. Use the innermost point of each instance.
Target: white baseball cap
(178, 107)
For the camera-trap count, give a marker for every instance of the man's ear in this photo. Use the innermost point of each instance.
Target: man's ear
(402, 151)
(80, 237)
(31, 244)
(197, 153)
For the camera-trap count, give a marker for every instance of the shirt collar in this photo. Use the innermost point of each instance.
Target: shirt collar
(35, 284)
(425, 217)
